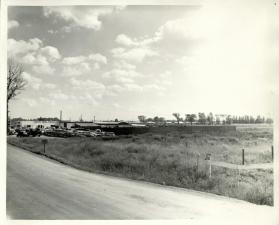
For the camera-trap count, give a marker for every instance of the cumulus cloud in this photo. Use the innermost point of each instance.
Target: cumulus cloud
(144, 41)
(79, 59)
(73, 60)
(114, 89)
(88, 84)
(30, 102)
(32, 52)
(50, 85)
(122, 76)
(59, 95)
(185, 32)
(121, 64)
(133, 87)
(123, 39)
(134, 49)
(32, 81)
(96, 89)
(44, 69)
(189, 27)
(47, 101)
(134, 55)
(81, 16)
(21, 47)
(36, 83)
(78, 65)
(34, 58)
(67, 29)
(98, 58)
(76, 69)
(12, 24)
(52, 31)
(51, 53)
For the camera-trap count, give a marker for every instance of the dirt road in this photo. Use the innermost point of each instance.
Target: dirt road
(39, 188)
(263, 166)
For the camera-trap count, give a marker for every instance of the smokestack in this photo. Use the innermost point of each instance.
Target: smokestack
(60, 115)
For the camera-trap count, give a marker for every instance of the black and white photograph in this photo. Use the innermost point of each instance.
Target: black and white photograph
(141, 111)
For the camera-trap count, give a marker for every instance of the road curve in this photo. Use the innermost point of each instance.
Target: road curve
(39, 188)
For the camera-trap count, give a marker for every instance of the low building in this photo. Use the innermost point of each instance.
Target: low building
(78, 124)
(112, 124)
(33, 124)
(138, 125)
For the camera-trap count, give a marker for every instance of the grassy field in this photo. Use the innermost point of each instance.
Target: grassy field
(172, 159)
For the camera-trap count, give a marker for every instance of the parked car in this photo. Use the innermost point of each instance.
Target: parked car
(109, 134)
(34, 132)
(11, 131)
(22, 133)
(98, 133)
(82, 133)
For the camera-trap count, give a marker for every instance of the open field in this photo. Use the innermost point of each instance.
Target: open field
(172, 159)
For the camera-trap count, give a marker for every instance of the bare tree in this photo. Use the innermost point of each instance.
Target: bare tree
(15, 81)
(177, 117)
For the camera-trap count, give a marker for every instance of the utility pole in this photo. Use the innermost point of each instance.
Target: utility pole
(60, 119)
(60, 115)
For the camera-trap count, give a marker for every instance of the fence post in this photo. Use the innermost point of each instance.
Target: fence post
(44, 141)
(198, 158)
(243, 156)
(272, 152)
(208, 159)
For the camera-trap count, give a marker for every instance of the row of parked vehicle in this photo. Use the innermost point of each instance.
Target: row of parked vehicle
(77, 133)
(58, 132)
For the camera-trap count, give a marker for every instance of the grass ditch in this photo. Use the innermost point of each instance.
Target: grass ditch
(151, 158)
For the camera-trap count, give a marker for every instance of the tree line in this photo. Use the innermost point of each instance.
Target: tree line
(210, 119)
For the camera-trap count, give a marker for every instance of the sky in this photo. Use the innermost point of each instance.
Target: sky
(124, 61)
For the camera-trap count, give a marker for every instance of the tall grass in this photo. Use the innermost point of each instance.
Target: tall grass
(156, 159)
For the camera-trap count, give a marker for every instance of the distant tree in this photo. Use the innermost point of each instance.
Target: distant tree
(149, 120)
(210, 118)
(48, 119)
(246, 119)
(190, 118)
(235, 119)
(229, 119)
(156, 119)
(269, 120)
(142, 118)
(177, 117)
(259, 119)
(17, 119)
(115, 120)
(162, 120)
(202, 118)
(218, 120)
(251, 119)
